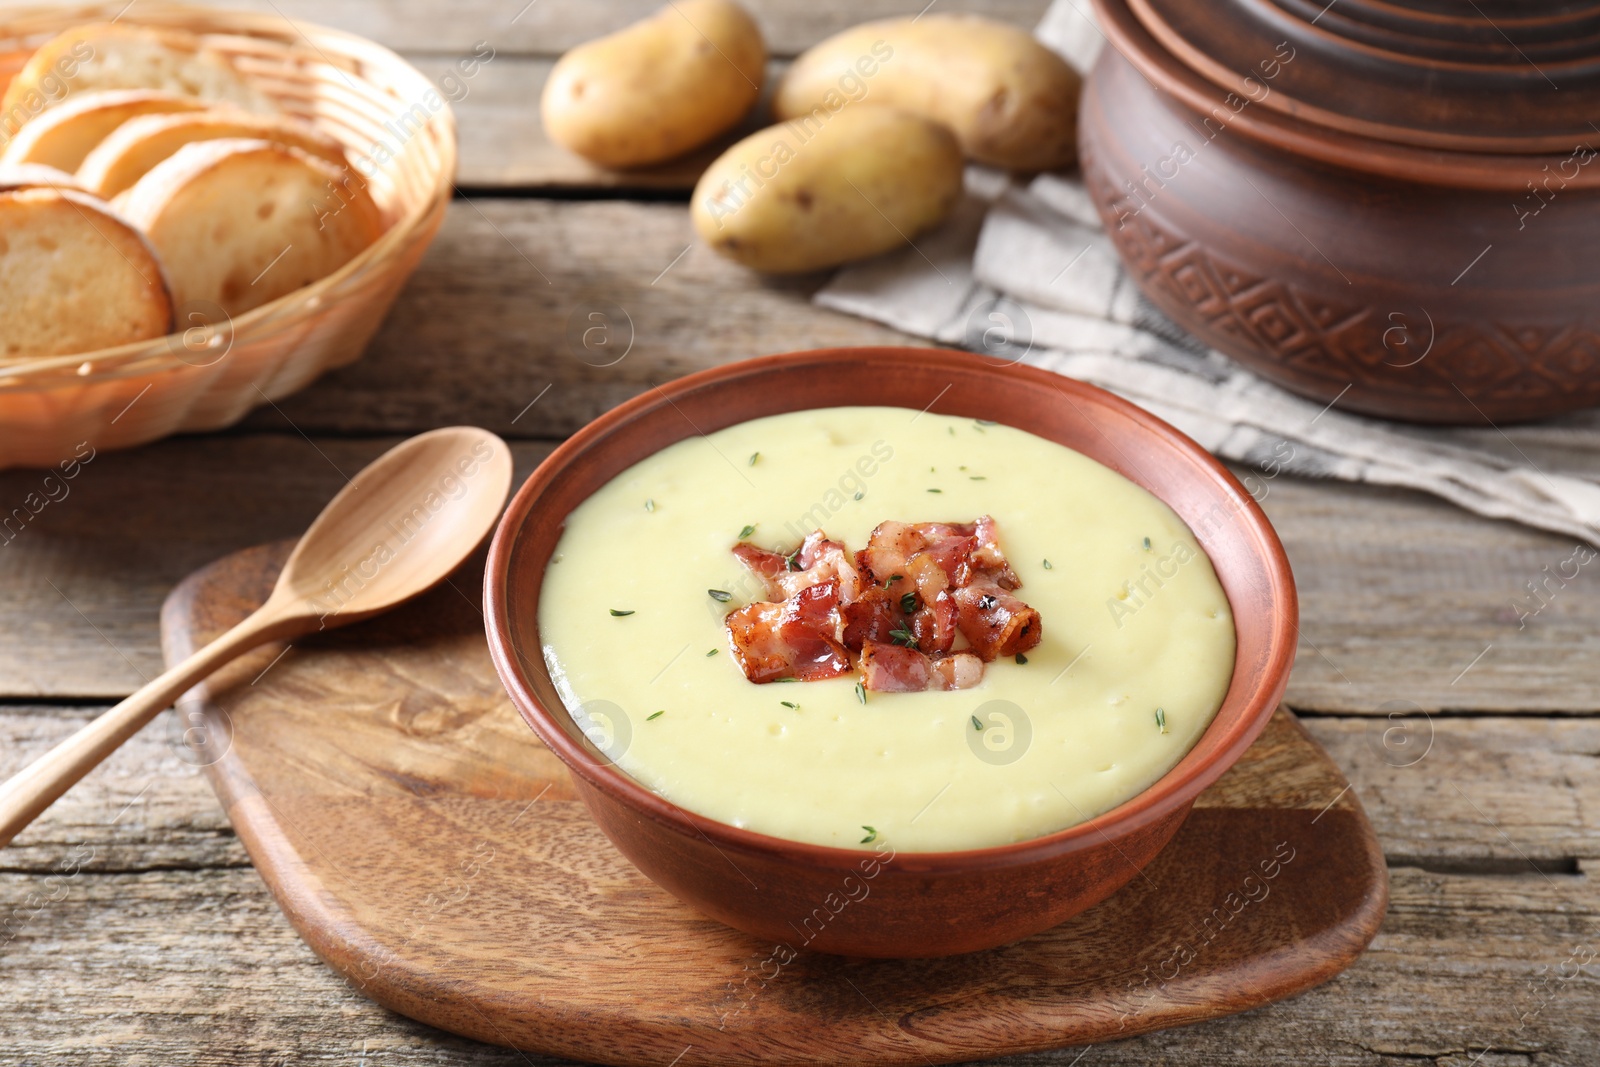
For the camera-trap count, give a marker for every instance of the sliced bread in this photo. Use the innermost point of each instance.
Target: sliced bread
(63, 136)
(139, 144)
(74, 277)
(104, 55)
(240, 223)
(14, 176)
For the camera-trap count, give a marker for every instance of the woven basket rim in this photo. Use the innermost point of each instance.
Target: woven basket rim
(110, 363)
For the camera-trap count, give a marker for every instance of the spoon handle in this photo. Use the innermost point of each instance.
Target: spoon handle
(33, 789)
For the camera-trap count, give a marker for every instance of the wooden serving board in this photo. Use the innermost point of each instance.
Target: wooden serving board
(430, 849)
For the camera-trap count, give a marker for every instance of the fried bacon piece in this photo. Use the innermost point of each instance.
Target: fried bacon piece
(794, 639)
(987, 559)
(892, 545)
(901, 602)
(994, 622)
(965, 551)
(872, 616)
(935, 624)
(887, 668)
(816, 560)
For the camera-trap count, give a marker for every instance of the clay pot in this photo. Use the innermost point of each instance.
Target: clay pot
(1384, 204)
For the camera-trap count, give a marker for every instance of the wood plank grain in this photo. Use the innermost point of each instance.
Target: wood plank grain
(84, 580)
(196, 968)
(1476, 793)
(550, 27)
(593, 301)
(1410, 603)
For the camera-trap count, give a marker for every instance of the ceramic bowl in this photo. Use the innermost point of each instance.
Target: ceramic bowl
(917, 904)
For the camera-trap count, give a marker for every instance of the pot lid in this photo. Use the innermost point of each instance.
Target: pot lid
(1506, 76)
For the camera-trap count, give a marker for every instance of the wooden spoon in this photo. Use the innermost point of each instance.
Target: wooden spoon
(405, 522)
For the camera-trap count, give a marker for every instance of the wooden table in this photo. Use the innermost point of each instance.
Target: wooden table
(135, 931)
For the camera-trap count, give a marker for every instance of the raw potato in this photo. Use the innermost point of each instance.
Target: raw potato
(240, 223)
(1010, 100)
(106, 55)
(74, 278)
(139, 144)
(658, 88)
(63, 136)
(828, 189)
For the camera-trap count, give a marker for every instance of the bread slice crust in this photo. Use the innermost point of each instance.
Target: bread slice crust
(135, 147)
(103, 55)
(74, 277)
(242, 222)
(63, 136)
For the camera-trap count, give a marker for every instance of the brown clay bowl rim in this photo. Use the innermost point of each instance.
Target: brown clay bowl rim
(1452, 169)
(1173, 792)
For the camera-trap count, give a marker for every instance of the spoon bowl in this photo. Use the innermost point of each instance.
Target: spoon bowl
(397, 529)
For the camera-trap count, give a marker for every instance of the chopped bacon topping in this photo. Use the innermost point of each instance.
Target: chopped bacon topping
(872, 616)
(794, 639)
(896, 669)
(816, 560)
(995, 622)
(901, 603)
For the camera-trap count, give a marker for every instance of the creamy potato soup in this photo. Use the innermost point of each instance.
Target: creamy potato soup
(1135, 641)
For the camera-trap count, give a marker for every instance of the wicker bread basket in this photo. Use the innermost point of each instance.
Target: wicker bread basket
(212, 371)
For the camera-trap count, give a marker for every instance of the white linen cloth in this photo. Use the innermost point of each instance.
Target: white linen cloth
(1027, 272)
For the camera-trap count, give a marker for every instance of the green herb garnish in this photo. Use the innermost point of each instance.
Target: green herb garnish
(872, 835)
(1048, 565)
(713, 652)
(790, 704)
(977, 478)
(722, 596)
(747, 531)
(1161, 719)
(753, 457)
(1147, 544)
(976, 725)
(908, 603)
(903, 636)
(860, 493)
(649, 505)
(935, 490)
(861, 692)
(618, 613)
(985, 422)
(887, 582)
(791, 562)
(652, 718)
(1021, 659)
